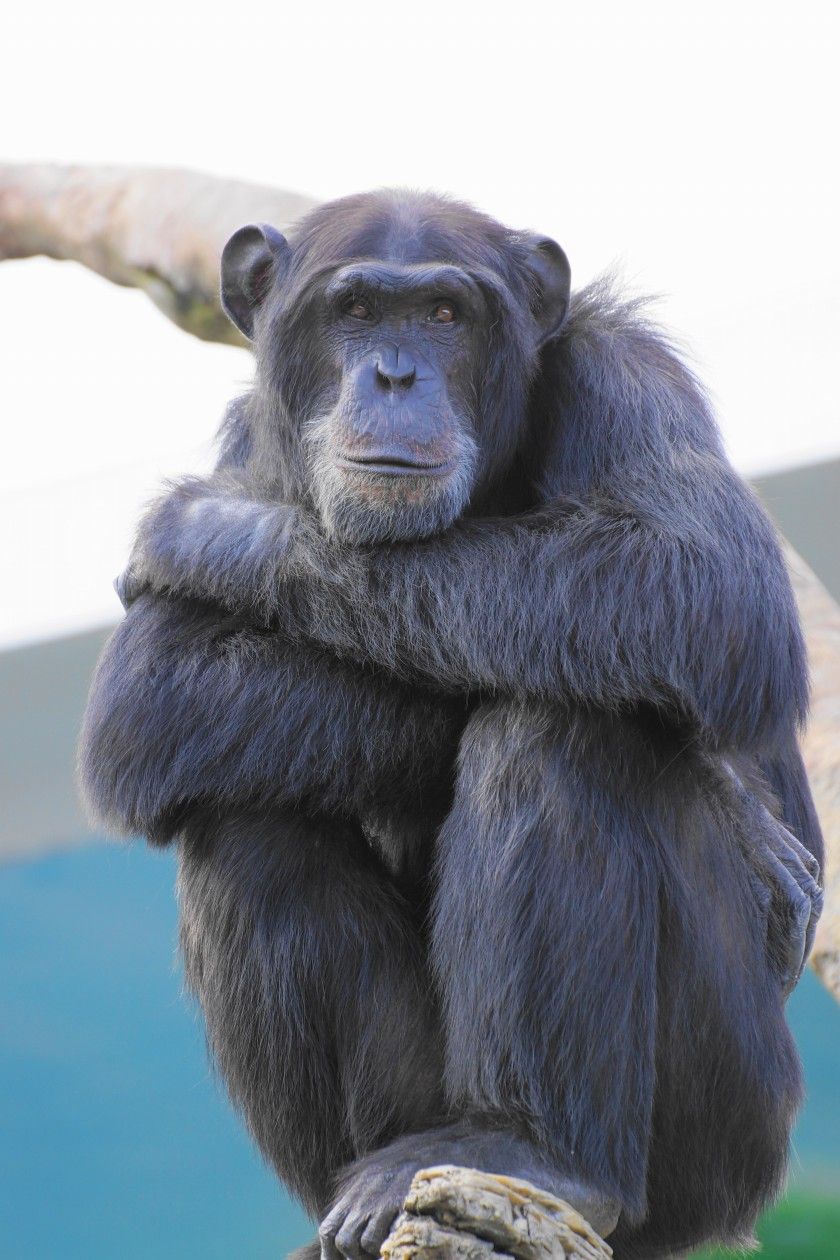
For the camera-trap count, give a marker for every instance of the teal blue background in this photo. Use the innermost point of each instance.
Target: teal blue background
(117, 1140)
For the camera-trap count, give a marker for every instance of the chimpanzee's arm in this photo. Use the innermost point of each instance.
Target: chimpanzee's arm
(189, 708)
(672, 594)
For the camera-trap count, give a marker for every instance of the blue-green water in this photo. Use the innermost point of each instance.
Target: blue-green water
(115, 1139)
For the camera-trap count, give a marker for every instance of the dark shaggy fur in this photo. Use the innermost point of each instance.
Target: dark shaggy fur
(495, 841)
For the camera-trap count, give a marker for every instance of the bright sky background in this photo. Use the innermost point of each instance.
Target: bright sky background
(696, 148)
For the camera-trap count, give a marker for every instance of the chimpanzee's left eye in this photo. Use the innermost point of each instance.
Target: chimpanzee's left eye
(444, 313)
(359, 310)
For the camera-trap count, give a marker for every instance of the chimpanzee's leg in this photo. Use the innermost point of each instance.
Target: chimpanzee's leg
(544, 940)
(311, 972)
(602, 949)
(614, 1031)
(727, 1073)
(545, 944)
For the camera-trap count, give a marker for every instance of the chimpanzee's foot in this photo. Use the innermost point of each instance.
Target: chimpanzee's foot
(373, 1190)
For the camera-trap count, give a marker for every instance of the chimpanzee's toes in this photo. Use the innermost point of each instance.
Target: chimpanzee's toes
(378, 1229)
(326, 1233)
(348, 1240)
(362, 1218)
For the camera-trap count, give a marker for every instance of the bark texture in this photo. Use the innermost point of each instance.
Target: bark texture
(821, 749)
(162, 230)
(462, 1214)
(149, 228)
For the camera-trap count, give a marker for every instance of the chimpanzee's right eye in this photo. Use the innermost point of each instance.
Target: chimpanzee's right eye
(357, 309)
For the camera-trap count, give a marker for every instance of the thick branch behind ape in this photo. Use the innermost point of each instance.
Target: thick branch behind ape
(821, 748)
(148, 228)
(162, 230)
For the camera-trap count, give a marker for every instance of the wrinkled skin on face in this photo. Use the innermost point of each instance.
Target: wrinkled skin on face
(395, 456)
(392, 371)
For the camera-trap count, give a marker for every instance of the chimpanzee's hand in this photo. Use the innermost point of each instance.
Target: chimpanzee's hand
(209, 539)
(787, 879)
(791, 875)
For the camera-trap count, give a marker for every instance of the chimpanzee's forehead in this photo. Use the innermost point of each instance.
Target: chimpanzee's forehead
(403, 228)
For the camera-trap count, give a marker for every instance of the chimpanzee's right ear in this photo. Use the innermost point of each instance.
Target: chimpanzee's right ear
(252, 260)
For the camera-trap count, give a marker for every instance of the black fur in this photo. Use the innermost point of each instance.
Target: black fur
(470, 685)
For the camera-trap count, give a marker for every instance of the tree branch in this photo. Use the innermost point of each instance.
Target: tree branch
(821, 749)
(148, 228)
(463, 1214)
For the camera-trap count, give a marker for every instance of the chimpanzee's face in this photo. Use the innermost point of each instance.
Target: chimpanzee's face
(394, 451)
(381, 359)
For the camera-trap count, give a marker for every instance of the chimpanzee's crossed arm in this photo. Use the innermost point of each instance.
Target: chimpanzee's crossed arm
(191, 708)
(672, 594)
(598, 605)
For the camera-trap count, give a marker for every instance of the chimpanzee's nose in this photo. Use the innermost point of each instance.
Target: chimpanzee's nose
(395, 368)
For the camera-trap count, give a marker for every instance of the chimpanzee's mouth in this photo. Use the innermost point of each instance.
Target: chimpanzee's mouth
(388, 464)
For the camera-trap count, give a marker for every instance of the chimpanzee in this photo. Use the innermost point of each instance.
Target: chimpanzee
(469, 687)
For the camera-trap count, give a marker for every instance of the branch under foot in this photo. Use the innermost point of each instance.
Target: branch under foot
(462, 1214)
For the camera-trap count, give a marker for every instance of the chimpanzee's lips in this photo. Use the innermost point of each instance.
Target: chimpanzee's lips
(389, 464)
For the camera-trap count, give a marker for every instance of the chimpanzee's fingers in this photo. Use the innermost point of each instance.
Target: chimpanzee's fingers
(779, 845)
(377, 1231)
(816, 911)
(793, 916)
(348, 1238)
(791, 929)
(787, 842)
(327, 1232)
(815, 896)
(774, 831)
(778, 858)
(775, 839)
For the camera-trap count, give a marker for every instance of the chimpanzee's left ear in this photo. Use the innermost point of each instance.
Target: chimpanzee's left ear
(253, 259)
(552, 277)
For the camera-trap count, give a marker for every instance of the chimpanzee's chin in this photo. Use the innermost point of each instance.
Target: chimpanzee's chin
(364, 509)
(360, 504)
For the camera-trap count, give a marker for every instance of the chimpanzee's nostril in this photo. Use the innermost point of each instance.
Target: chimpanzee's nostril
(389, 380)
(396, 371)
